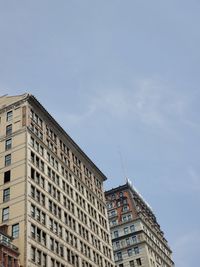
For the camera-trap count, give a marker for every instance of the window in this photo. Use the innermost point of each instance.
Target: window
(33, 253)
(44, 260)
(116, 234)
(117, 244)
(121, 194)
(134, 238)
(9, 261)
(125, 201)
(132, 228)
(15, 230)
(38, 257)
(6, 177)
(139, 262)
(113, 213)
(32, 210)
(121, 265)
(126, 230)
(113, 196)
(129, 217)
(127, 241)
(136, 250)
(8, 160)
(9, 116)
(5, 214)
(131, 263)
(33, 232)
(129, 252)
(124, 218)
(8, 144)
(114, 222)
(9, 129)
(109, 205)
(6, 194)
(125, 208)
(119, 255)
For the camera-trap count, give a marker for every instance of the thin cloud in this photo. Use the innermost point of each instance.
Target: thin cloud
(150, 102)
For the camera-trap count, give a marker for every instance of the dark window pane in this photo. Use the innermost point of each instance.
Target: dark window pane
(6, 177)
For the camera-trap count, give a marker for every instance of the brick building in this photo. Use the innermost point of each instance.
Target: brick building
(136, 235)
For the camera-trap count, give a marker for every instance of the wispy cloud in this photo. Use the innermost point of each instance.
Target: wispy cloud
(148, 101)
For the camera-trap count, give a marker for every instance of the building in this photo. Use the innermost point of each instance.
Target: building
(8, 252)
(136, 235)
(52, 199)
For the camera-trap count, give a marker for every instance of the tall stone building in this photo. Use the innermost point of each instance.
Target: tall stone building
(136, 235)
(51, 193)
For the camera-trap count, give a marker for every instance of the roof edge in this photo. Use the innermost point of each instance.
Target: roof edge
(30, 98)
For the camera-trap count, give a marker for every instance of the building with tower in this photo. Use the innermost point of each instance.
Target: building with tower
(136, 235)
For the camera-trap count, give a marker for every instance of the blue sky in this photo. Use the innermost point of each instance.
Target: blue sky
(122, 77)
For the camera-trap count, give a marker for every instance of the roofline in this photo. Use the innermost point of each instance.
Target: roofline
(128, 186)
(34, 99)
(116, 189)
(133, 190)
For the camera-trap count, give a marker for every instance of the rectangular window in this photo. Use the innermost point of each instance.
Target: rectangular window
(124, 218)
(33, 211)
(116, 234)
(33, 231)
(132, 228)
(33, 254)
(15, 230)
(8, 160)
(134, 238)
(129, 252)
(136, 250)
(131, 263)
(9, 261)
(8, 144)
(5, 214)
(6, 194)
(117, 244)
(9, 129)
(121, 194)
(39, 257)
(32, 173)
(44, 260)
(125, 208)
(126, 230)
(119, 255)
(6, 177)
(139, 262)
(129, 217)
(9, 116)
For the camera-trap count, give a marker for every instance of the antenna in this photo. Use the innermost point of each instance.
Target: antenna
(122, 163)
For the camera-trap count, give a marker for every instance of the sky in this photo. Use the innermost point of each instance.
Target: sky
(122, 78)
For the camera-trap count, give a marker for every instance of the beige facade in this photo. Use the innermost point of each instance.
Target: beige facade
(136, 235)
(51, 193)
